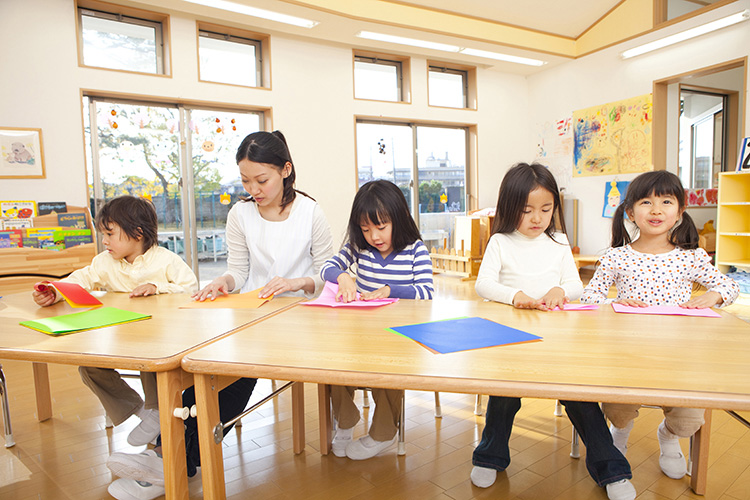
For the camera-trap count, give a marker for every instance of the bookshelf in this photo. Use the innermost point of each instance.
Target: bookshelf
(733, 221)
(33, 262)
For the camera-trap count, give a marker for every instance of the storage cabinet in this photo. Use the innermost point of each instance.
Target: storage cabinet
(733, 221)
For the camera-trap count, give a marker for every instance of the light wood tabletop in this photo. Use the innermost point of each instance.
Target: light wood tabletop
(584, 355)
(157, 344)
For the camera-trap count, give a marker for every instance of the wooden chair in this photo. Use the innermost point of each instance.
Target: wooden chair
(6, 411)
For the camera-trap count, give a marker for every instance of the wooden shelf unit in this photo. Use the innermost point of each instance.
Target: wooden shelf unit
(21, 262)
(733, 221)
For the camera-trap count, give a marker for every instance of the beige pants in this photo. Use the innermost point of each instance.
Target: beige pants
(119, 400)
(384, 418)
(683, 422)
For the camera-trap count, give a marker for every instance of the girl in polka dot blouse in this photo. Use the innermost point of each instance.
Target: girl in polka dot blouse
(659, 267)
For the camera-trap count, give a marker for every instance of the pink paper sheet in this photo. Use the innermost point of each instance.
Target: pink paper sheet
(667, 310)
(327, 298)
(578, 307)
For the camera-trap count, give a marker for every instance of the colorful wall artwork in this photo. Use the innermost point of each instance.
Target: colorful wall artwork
(614, 138)
(614, 192)
(703, 197)
(555, 148)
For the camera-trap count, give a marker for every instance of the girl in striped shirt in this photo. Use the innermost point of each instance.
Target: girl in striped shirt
(386, 252)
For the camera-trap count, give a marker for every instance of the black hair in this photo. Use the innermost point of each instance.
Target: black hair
(380, 202)
(518, 182)
(660, 183)
(135, 216)
(270, 148)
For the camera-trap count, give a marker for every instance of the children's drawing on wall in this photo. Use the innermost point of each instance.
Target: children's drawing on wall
(702, 197)
(21, 153)
(555, 149)
(614, 138)
(614, 192)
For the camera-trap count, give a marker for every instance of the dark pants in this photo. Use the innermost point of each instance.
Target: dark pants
(604, 462)
(232, 401)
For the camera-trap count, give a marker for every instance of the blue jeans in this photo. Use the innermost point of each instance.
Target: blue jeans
(604, 462)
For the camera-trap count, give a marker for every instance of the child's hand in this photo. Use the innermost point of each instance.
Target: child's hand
(280, 285)
(44, 295)
(708, 299)
(631, 302)
(523, 301)
(144, 290)
(552, 299)
(347, 288)
(219, 286)
(380, 293)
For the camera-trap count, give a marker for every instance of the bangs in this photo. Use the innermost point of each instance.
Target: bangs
(374, 215)
(661, 183)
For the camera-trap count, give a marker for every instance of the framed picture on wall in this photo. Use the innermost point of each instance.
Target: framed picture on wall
(743, 159)
(21, 154)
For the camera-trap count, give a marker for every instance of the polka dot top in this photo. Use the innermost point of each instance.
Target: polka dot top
(657, 279)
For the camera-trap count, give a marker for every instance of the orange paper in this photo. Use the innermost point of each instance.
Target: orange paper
(74, 294)
(248, 300)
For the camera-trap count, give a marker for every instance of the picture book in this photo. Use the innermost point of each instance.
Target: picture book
(4, 240)
(16, 223)
(42, 234)
(30, 242)
(48, 207)
(74, 294)
(82, 321)
(15, 236)
(463, 334)
(72, 237)
(75, 240)
(18, 209)
(72, 220)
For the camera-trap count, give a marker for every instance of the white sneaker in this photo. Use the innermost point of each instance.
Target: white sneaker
(621, 490)
(147, 431)
(146, 466)
(671, 459)
(366, 447)
(130, 489)
(483, 477)
(341, 440)
(620, 436)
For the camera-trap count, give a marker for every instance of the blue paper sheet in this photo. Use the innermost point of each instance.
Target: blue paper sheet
(463, 334)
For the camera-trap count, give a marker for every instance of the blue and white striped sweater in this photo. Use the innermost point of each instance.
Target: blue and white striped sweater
(408, 273)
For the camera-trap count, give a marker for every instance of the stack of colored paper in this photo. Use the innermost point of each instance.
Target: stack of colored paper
(327, 298)
(74, 294)
(247, 300)
(86, 320)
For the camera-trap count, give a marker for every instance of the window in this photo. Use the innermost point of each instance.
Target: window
(381, 77)
(668, 10)
(234, 56)
(433, 177)
(448, 87)
(121, 40)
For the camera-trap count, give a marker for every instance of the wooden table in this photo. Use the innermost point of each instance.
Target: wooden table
(157, 344)
(586, 355)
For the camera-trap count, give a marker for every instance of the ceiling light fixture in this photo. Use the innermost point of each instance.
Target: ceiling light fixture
(256, 12)
(381, 37)
(688, 34)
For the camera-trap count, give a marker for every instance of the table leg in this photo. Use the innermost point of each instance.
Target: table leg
(212, 459)
(169, 385)
(324, 415)
(699, 474)
(298, 417)
(43, 397)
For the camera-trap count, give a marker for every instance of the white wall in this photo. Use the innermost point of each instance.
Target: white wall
(604, 77)
(311, 102)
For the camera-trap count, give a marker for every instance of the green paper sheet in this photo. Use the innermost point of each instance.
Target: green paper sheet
(86, 320)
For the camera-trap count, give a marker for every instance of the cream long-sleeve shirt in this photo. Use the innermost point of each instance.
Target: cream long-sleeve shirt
(158, 266)
(514, 263)
(260, 249)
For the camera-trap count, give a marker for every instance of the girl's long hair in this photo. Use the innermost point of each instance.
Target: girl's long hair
(380, 202)
(518, 182)
(270, 148)
(660, 183)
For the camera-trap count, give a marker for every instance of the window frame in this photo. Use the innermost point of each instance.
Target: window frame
(470, 82)
(464, 84)
(261, 41)
(129, 15)
(403, 72)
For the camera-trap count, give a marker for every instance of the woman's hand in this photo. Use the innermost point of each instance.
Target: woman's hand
(708, 299)
(219, 286)
(380, 293)
(552, 299)
(143, 290)
(523, 301)
(280, 285)
(43, 294)
(631, 302)
(347, 288)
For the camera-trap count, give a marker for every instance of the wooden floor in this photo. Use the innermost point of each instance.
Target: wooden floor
(64, 458)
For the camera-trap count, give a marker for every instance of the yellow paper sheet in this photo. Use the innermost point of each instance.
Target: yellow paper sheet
(249, 300)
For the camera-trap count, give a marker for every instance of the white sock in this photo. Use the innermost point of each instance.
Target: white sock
(141, 412)
(344, 433)
(620, 436)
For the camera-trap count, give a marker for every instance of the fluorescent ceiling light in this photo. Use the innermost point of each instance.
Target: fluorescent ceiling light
(408, 41)
(381, 37)
(502, 57)
(256, 12)
(687, 34)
